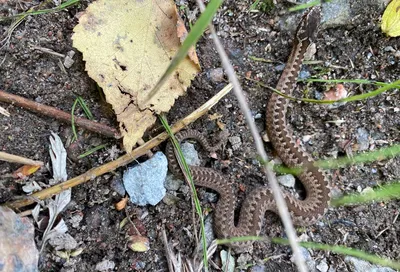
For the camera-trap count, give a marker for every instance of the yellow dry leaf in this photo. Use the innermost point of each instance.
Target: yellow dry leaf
(138, 243)
(127, 46)
(25, 171)
(391, 19)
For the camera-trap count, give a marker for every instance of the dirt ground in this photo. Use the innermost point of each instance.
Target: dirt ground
(358, 50)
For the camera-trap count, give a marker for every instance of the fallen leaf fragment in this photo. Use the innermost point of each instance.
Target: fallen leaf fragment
(182, 33)
(4, 112)
(391, 19)
(77, 252)
(121, 204)
(25, 171)
(336, 93)
(138, 243)
(127, 46)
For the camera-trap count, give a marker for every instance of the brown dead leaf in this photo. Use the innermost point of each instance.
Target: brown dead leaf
(121, 204)
(127, 46)
(336, 93)
(182, 33)
(25, 171)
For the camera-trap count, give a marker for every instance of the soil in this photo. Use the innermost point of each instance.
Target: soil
(358, 50)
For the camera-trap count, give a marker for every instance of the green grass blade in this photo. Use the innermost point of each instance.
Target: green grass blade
(73, 120)
(357, 81)
(378, 155)
(91, 151)
(42, 11)
(367, 157)
(385, 87)
(188, 175)
(254, 5)
(191, 39)
(345, 251)
(85, 108)
(371, 94)
(305, 6)
(384, 193)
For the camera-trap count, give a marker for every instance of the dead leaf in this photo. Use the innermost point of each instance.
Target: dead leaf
(138, 243)
(214, 116)
(121, 204)
(182, 33)
(221, 125)
(25, 171)
(127, 46)
(336, 93)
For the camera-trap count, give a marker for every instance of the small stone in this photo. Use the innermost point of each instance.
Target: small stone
(243, 259)
(307, 258)
(118, 186)
(145, 182)
(63, 241)
(322, 266)
(304, 74)
(280, 67)
(236, 142)
(170, 199)
(76, 219)
(257, 116)
(68, 62)
(210, 197)
(18, 251)
(287, 180)
(306, 138)
(265, 137)
(216, 75)
(105, 265)
(190, 153)
(389, 49)
(172, 183)
(358, 265)
(362, 139)
(336, 13)
(208, 232)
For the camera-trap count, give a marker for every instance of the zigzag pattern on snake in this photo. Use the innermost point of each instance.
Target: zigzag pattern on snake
(260, 200)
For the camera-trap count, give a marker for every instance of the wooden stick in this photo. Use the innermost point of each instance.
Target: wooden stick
(18, 159)
(121, 161)
(59, 114)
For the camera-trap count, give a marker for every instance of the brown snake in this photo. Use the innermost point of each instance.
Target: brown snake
(260, 200)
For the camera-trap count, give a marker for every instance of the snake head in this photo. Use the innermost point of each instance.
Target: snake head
(308, 27)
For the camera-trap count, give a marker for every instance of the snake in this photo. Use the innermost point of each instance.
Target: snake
(260, 200)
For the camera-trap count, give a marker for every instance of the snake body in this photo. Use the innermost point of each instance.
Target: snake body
(260, 200)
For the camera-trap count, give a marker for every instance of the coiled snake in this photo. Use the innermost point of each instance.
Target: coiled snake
(260, 200)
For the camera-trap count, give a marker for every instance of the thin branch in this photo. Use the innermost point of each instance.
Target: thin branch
(58, 114)
(18, 159)
(280, 202)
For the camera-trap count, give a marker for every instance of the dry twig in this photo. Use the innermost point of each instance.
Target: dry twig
(59, 114)
(18, 159)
